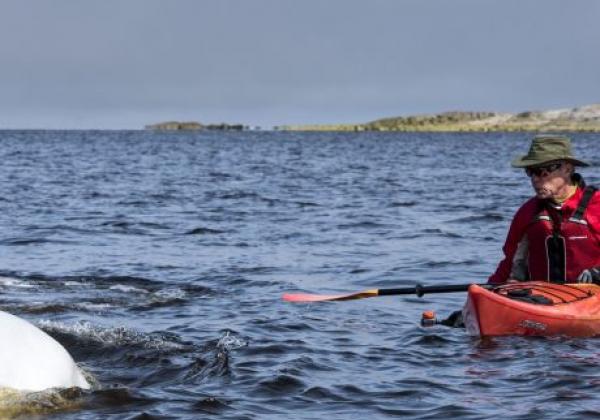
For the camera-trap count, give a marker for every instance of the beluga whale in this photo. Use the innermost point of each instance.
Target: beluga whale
(31, 360)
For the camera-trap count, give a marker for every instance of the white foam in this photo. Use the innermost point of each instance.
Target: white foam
(76, 284)
(12, 282)
(170, 294)
(94, 306)
(115, 336)
(229, 342)
(125, 288)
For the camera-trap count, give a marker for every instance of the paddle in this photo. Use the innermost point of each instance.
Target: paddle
(418, 290)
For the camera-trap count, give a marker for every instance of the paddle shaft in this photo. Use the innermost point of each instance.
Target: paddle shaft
(420, 290)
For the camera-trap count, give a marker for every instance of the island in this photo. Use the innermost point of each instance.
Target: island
(194, 126)
(583, 118)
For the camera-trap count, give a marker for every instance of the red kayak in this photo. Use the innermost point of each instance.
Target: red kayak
(533, 308)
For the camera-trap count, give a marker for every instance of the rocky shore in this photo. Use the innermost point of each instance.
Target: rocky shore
(584, 118)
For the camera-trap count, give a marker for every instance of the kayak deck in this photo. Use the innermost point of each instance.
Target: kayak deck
(533, 308)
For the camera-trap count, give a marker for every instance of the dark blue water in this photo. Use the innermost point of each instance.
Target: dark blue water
(158, 260)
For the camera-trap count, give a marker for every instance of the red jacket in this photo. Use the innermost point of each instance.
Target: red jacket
(526, 246)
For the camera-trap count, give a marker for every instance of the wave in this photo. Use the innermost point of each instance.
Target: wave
(363, 225)
(34, 241)
(204, 231)
(41, 294)
(487, 217)
(86, 334)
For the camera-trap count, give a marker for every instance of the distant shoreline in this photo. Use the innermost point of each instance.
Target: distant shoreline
(297, 130)
(583, 119)
(357, 128)
(580, 119)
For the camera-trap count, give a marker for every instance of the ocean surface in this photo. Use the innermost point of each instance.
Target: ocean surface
(159, 260)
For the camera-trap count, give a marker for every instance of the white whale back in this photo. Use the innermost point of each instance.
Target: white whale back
(31, 360)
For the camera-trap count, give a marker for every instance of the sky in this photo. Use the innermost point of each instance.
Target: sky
(122, 64)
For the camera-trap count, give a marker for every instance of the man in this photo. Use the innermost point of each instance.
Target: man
(555, 235)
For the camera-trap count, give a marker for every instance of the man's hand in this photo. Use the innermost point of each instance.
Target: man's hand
(591, 275)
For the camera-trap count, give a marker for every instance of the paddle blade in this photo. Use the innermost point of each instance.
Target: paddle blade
(307, 297)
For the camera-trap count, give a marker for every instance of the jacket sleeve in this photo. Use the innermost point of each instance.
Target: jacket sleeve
(513, 242)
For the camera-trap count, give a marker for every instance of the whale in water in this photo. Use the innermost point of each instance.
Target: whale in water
(31, 360)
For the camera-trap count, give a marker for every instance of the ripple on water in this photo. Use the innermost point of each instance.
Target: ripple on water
(212, 405)
(280, 385)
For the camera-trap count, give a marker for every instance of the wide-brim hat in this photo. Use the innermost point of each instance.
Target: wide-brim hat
(548, 148)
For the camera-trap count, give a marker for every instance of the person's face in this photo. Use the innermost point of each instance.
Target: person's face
(551, 179)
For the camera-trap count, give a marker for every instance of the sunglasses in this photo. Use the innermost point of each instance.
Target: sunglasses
(542, 171)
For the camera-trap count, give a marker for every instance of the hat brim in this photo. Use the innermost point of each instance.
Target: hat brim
(523, 162)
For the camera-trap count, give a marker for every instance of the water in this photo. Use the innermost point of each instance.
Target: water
(158, 260)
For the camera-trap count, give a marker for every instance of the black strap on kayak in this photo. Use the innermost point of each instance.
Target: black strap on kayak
(552, 290)
(525, 295)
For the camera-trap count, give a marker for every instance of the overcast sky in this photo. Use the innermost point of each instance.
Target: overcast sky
(127, 63)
